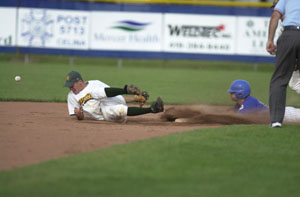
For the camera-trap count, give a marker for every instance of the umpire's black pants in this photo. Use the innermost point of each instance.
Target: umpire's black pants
(288, 50)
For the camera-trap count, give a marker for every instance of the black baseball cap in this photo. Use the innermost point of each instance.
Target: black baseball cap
(72, 78)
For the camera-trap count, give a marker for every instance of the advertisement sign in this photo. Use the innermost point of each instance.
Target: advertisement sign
(8, 26)
(252, 35)
(126, 31)
(48, 28)
(199, 33)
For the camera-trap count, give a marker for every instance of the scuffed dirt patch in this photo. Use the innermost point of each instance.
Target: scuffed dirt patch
(212, 115)
(36, 132)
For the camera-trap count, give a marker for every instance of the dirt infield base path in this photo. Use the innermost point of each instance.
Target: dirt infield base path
(35, 132)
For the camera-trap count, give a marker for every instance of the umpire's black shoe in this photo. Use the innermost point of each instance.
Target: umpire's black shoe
(157, 106)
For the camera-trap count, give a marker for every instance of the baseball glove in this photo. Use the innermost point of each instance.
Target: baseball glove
(141, 98)
(132, 89)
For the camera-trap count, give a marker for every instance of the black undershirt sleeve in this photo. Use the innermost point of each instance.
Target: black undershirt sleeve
(111, 92)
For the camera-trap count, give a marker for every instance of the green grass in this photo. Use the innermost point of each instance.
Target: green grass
(177, 81)
(242, 161)
(229, 161)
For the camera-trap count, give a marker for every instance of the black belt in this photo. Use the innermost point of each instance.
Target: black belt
(292, 28)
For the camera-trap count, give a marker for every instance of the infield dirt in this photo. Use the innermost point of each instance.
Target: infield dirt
(35, 132)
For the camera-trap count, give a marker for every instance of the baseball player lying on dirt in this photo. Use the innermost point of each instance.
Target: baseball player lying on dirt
(245, 104)
(102, 102)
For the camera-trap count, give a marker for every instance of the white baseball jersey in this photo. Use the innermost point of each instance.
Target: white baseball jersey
(96, 104)
(295, 81)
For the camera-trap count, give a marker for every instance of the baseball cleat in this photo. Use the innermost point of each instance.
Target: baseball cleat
(157, 106)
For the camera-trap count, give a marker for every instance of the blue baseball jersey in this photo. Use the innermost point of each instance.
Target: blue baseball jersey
(250, 105)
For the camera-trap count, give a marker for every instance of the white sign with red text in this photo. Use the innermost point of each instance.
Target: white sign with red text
(189, 33)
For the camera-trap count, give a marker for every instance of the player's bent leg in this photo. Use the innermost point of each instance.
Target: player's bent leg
(156, 107)
(115, 113)
(135, 111)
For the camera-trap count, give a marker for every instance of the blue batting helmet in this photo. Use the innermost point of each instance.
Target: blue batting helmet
(241, 88)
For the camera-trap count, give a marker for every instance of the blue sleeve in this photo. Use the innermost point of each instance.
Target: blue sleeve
(280, 7)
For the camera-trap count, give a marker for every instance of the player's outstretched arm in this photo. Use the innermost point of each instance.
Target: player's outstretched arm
(128, 89)
(141, 99)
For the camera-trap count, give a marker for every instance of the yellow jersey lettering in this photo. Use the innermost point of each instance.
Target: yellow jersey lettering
(85, 99)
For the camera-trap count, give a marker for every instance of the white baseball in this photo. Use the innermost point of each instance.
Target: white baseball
(17, 78)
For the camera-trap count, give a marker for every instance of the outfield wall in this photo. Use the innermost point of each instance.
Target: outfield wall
(135, 30)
